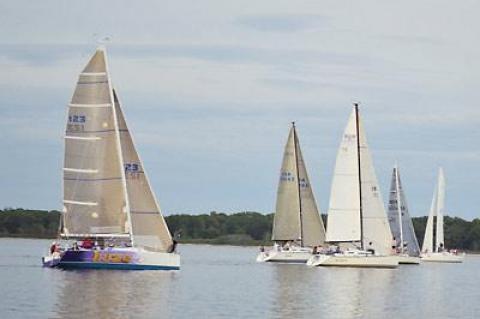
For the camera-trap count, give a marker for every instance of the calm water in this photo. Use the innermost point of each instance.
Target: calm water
(225, 281)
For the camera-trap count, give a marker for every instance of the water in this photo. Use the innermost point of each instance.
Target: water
(226, 282)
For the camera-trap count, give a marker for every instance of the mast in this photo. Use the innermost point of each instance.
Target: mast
(357, 121)
(295, 145)
(399, 207)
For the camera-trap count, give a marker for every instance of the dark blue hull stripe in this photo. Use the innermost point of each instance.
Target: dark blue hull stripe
(89, 265)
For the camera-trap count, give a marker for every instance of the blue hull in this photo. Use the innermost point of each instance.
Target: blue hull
(96, 265)
(120, 259)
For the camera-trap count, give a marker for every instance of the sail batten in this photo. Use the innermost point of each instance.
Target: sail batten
(91, 158)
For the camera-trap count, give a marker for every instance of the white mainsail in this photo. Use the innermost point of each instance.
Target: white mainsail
(399, 217)
(356, 211)
(343, 223)
(106, 190)
(296, 214)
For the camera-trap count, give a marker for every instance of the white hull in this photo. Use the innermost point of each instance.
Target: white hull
(444, 257)
(294, 256)
(341, 260)
(407, 260)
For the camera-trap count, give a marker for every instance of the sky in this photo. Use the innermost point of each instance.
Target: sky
(209, 89)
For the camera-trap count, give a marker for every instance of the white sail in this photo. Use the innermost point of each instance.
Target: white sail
(343, 223)
(148, 227)
(439, 238)
(399, 217)
(347, 221)
(312, 224)
(376, 229)
(94, 197)
(427, 246)
(286, 221)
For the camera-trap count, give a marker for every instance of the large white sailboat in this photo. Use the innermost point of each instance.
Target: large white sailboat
(438, 252)
(404, 238)
(111, 218)
(357, 222)
(297, 225)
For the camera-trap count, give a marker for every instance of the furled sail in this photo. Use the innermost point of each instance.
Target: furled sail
(351, 218)
(149, 229)
(94, 198)
(312, 224)
(343, 223)
(399, 217)
(286, 221)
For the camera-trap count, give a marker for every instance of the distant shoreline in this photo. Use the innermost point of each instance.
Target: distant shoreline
(239, 229)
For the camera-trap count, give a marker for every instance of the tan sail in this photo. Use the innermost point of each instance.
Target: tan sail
(286, 222)
(94, 201)
(149, 229)
(312, 224)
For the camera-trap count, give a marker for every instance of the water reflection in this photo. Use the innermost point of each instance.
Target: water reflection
(113, 294)
(301, 292)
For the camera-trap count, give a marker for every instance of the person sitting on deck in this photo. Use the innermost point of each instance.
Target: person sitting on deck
(87, 243)
(53, 248)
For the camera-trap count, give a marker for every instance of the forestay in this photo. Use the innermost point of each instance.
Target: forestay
(149, 229)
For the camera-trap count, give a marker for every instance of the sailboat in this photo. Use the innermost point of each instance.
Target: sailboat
(357, 223)
(111, 218)
(438, 253)
(404, 239)
(297, 225)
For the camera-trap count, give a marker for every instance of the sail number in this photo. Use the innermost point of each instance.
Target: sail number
(77, 119)
(132, 167)
(287, 177)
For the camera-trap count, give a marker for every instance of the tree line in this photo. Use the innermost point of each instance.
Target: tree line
(244, 228)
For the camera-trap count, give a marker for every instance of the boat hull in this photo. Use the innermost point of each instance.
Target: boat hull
(286, 257)
(122, 259)
(444, 257)
(338, 260)
(408, 260)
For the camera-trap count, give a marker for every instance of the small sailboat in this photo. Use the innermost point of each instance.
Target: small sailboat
(404, 238)
(111, 218)
(357, 222)
(438, 253)
(297, 225)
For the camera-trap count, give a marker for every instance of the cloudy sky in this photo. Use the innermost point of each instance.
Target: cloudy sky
(210, 87)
